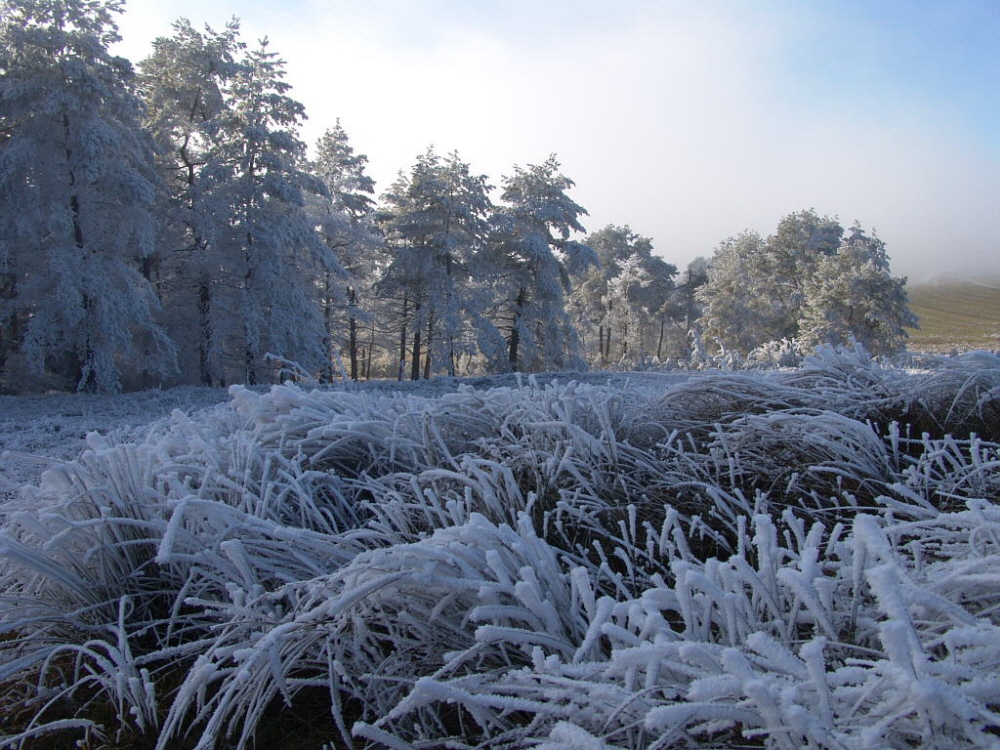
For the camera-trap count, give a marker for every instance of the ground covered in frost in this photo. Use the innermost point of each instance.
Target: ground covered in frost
(799, 559)
(39, 430)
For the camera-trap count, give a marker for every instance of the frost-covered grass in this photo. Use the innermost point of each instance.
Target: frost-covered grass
(808, 558)
(37, 430)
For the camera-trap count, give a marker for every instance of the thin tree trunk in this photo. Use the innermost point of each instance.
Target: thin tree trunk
(415, 362)
(402, 340)
(515, 331)
(625, 334)
(427, 356)
(249, 347)
(85, 378)
(9, 329)
(352, 333)
(326, 374)
(250, 344)
(371, 348)
(205, 332)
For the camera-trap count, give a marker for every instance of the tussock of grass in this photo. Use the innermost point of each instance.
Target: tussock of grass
(791, 559)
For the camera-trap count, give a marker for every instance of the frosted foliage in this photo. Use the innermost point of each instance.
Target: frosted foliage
(535, 256)
(621, 305)
(77, 186)
(187, 108)
(739, 311)
(806, 283)
(853, 295)
(435, 220)
(736, 560)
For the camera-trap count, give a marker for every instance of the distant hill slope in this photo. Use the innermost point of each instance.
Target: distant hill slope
(962, 314)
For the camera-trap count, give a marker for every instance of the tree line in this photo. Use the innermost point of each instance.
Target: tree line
(164, 223)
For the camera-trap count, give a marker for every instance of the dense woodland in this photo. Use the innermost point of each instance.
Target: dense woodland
(163, 223)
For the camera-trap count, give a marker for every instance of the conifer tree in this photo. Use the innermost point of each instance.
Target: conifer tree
(852, 295)
(184, 90)
(435, 221)
(806, 284)
(346, 224)
(739, 312)
(263, 235)
(77, 185)
(536, 257)
(618, 304)
(798, 245)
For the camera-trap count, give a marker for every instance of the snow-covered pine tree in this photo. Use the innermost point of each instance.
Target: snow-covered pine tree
(618, 303)
(658, 308)
(183, 87)
(756, 288)
(738, 312)
(436, 220)
(77, 186)
(346, 223)
(798, 245)
(626, 313)
(684, 299)
(536, 257)
(853, 295)
(803, 283)
(265, 239)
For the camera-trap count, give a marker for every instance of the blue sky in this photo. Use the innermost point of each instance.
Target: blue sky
(687, 120)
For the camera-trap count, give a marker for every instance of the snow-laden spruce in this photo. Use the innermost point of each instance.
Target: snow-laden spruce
(798, 559)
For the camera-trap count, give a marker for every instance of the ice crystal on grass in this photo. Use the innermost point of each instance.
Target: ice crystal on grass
(741, 559)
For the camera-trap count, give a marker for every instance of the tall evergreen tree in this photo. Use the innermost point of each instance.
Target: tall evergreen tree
(617, 304)
(346, 223)
(739, 312)
(435, 221)
(77, 186)
(536, 255)
(852, 295)
(800, 242)
(264, 236)
(184, 89)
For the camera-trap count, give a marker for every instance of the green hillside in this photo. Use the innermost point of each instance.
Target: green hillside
(959, 314)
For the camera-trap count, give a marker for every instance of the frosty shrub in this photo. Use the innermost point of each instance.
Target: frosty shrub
(742, 559)
(782, 353)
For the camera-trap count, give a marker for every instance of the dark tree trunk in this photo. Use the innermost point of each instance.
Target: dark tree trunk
(326, 375)
(515, 331)
(150, 269)
(427, 357)
(10, 329)
(352, 333)
(415, 362)
(402, 341)
(371, 348)
(86, 378)
(659, 342)
(205, 332)
(249, 345)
